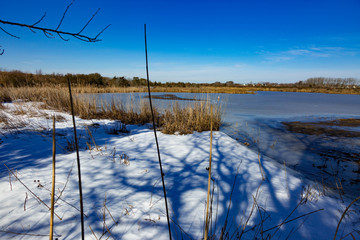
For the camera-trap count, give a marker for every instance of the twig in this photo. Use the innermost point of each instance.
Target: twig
(182, 230)
(260, 166)
(31, 191)
(89, 21)
(350, 233)
(26, 198)
(67, 180)
(39, 20)
(250, 214)
(93, 232)
(67, 8)
(152, 191)
(261, 218)
(62, 37)
(8, 32)
(48, 34)
(211, 209)
(116, 223)
(343, 215)
(10, 181)
(285, 222)
(108, 230)
(104, 214)
(223, 229)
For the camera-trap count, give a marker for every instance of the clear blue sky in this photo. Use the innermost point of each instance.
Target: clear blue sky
(196, 41)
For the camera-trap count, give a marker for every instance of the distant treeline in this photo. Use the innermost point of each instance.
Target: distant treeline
(21, 79)
(330, 82)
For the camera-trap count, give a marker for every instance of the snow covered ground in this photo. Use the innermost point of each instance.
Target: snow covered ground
(122, 188)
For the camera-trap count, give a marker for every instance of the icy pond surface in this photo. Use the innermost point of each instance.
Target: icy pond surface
(256, 120)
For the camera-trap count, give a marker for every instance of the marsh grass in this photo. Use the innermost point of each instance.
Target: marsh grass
(193, 117)
(4, 118)
(259, 217)
(216, 89)
(178, 119)
(199, 89)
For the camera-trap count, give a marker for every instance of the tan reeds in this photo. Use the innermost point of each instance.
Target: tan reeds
(184, 120)
(191, 118)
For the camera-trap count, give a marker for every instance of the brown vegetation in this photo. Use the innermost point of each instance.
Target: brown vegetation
(196, 117)
(177, 119)
(325, 127)
(96, 83)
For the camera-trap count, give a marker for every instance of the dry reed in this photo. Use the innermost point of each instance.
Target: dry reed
(196, 117)
(183, 120)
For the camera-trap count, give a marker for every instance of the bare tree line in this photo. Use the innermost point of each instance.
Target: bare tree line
(330, 82)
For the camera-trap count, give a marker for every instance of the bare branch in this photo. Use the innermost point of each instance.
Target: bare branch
(89, 21)
(67, 8)
(40, 19)
(49, 30)
(9, 33)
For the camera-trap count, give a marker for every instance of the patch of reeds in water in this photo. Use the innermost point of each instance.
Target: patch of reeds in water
(193, 117)
(177, 119)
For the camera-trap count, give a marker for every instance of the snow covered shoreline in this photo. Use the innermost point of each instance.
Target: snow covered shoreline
(132, 188)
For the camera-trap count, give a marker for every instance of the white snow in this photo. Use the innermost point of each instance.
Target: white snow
(133, 189)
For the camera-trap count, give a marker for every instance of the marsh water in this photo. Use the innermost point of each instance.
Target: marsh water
(256, 120)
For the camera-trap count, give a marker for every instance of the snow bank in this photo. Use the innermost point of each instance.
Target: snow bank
(123, 191)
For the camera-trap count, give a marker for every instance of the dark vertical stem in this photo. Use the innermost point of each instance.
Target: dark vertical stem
(209, 178)
(53, 182)
(156, 139)
(78, 163)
